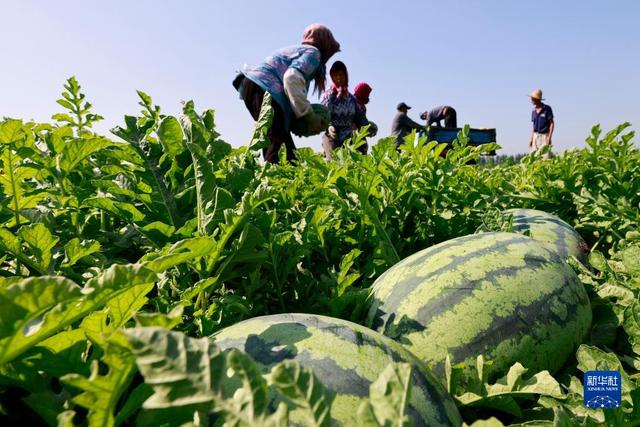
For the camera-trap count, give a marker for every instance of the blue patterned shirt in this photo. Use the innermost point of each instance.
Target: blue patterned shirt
(346, 116)
(269, 75)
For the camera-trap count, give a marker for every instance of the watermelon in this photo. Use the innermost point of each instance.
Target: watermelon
(502, 295)
(346, 357)
(300, 125)
(551, 231)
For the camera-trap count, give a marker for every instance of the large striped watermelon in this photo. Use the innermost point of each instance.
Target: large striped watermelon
(345, 356)
(549, 230)
(502, 295)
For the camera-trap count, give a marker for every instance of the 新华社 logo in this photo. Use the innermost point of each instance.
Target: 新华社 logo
(602, 389)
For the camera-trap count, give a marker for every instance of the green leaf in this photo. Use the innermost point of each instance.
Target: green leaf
(300, 387)
(36, 308)
(61, 354)
(13, 245)
(491, 422)
(14, 179)
(77, 150)
(502, 394)
(389, 397)
(100, 325)
(40, 242)
(191, 375)
(631, 325)
(205, 188)
(250, 402)
(14, 132)
(124, 210)
(261, 129)
(180, 252)
(631, 259)
(183, 372)
(345, 277)
(101, 392)
(168, 321)
(76, 249)
(22, 311)
(593, 359)
(170, 135)
(136, 134)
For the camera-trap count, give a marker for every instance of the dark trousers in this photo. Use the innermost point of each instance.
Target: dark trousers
(451, 118)
(252, 95)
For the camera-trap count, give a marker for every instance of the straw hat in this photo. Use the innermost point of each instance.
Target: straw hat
(537, 94)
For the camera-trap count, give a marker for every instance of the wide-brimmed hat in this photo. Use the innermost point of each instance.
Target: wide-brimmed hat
(403, 105)
(537, 94)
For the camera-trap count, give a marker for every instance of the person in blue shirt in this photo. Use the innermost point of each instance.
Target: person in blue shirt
(543, 123)
(286, 76)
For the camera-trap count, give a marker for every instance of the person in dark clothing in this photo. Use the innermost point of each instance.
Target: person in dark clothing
(442, 112)
(286, 75)
(543, 123)
(402, 125)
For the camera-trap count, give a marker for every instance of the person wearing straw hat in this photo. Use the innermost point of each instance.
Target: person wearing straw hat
(543, 123)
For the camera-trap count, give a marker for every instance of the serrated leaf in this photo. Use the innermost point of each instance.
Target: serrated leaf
(389, 397)
(502, 394)
(299, 386)
(101, 392)
(182, 371)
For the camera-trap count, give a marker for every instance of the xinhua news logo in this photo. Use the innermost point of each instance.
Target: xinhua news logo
(602, 389)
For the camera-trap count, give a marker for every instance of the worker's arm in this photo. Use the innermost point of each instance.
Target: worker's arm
(411, 124)
(531, 139)
(552, 126)
(295, 87)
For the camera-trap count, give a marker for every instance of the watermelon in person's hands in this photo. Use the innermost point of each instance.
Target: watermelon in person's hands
(309, 125)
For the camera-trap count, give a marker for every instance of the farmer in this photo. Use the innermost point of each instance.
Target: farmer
(443, 112)
(402, 125)
(543, 123)
(362, 92)
(346, 116)
(286, 76)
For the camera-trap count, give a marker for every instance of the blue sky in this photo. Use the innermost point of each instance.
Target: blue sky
(481, 57)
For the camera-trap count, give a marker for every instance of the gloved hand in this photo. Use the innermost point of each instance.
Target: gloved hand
(373, 129)
(331, 132)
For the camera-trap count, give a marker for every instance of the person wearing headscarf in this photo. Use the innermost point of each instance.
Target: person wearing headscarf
(346, 116)
(286, 76)
(362, 91)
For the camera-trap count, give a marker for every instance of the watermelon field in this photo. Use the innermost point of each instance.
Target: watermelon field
(158, 276)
